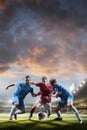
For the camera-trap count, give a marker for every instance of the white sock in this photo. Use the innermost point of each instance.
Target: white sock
(76, 113)
(59, 114)
(13, 109)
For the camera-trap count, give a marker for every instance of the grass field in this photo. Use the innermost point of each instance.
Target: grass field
(69, 122)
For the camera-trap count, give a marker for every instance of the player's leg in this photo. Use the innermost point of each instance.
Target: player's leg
(15, 116)
(73, 108)
(58, 112)
(61, 104)
(15, 103)
(36, 105)
(13, 109)
(21, 108)
(77, 114)
(32, 110)
(47, 106)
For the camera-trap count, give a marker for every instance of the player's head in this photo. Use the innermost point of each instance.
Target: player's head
(27, 79)
(53, 82)
(44, 79)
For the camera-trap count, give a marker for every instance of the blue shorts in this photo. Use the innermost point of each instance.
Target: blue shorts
(63, 101)
(15, 99)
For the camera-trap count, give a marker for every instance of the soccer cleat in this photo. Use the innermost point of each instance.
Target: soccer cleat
(10, 120)
(80, 122)
(15, 116)
(58, 119)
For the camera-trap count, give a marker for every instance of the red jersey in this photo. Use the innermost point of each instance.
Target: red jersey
(45, 91)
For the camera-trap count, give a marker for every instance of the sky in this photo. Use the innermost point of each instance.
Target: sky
(42, 37)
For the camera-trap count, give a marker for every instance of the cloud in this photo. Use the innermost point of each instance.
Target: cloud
(51, 40)
(43, 37)
(3, 67)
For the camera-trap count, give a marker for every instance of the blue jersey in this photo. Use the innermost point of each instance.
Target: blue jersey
(22, 90)
(62, 91)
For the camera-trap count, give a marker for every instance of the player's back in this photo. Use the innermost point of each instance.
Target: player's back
(64, 91)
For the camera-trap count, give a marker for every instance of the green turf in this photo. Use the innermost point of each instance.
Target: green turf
(69, 122)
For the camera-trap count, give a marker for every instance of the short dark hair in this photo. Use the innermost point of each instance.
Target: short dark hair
(27, 76)
(52, 81)
(44, 78)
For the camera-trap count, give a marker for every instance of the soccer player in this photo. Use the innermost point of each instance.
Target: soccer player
(45, 98)
(61, 91)
(23, 88)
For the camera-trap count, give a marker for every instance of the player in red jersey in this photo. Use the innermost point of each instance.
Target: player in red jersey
(45, 98)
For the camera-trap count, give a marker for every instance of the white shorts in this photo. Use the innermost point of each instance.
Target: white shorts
(47, 106)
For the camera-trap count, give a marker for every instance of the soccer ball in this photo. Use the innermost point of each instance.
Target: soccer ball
(41, 115)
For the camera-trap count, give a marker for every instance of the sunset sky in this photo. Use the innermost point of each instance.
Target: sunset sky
(46, 38)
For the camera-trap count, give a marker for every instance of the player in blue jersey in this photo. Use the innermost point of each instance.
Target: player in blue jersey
(66, 99)
(23, 88)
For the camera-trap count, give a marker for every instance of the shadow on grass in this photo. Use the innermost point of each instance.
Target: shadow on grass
(42, 125)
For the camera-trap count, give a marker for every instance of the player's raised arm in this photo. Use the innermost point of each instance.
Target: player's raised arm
(9, 86)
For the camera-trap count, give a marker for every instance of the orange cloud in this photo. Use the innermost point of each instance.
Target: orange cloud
(56, 65)
(3, 4)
